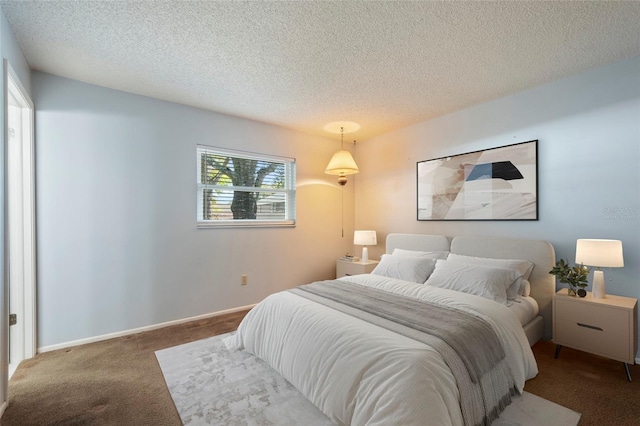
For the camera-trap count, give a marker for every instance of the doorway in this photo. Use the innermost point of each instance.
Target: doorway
(20, 220)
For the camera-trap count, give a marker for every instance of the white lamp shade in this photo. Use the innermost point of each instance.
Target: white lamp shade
(342, 163)
(600, 253)
(364, 238)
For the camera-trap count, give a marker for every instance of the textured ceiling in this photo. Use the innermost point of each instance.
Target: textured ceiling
(302, 64)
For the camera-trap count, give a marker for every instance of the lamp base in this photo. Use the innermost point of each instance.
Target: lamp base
(598, 285)
(365, 254)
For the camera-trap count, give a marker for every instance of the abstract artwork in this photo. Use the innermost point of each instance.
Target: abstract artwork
(493, 184)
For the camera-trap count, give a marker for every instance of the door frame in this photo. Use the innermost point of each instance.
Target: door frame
(28, 209)
(29, 228)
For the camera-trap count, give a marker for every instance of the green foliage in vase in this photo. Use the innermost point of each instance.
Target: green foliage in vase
(576, 276)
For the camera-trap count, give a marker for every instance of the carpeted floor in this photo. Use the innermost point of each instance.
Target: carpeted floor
(593, 386)
(119, 382)
(113, 382)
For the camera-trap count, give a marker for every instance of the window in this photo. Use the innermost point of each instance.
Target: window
(245, 189)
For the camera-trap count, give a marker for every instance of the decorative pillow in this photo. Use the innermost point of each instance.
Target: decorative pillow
(525, 288)
(416, 269)
(490, 283)
(424, 254)
(524, 267)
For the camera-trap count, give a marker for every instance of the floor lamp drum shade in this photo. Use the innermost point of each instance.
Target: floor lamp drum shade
(601, 254)
(365, 238)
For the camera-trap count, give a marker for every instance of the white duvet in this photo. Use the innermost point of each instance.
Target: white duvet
(358, 373)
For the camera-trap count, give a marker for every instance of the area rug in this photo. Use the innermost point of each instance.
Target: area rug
(213, 386)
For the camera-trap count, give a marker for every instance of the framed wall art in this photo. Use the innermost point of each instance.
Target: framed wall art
(492, 184)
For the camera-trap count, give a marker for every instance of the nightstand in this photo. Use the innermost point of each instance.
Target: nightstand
(606, 327)
(346, 268)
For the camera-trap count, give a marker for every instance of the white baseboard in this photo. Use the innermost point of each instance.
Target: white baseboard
(139, 330)
(2, 408)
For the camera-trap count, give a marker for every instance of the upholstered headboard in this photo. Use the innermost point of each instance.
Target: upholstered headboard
(418, 242)
(541, 253)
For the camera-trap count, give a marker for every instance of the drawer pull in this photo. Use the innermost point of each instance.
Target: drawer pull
(593, 327)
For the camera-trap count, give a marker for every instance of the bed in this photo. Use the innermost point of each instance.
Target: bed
(378, 349)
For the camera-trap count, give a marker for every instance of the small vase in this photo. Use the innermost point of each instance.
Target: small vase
(572, 291)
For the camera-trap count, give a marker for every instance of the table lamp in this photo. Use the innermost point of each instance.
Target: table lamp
(364, 238)
(599, 253)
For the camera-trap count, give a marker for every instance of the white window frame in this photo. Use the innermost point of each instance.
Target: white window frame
(289, 190)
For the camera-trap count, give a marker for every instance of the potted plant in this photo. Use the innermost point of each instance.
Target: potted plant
(576, 277)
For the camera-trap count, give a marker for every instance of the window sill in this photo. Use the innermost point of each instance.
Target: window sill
(246, 224)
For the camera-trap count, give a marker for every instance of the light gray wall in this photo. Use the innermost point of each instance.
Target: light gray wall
(118, 246)
(12, 53)
(588, 127)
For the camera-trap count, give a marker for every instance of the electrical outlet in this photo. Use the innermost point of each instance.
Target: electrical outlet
(243, 279)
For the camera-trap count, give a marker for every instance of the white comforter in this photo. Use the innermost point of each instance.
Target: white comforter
(358, 373)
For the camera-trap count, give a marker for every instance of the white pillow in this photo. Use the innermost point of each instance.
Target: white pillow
(525, 288)
(490, 283)
(524, 267)
(424, 254)
(416, 269)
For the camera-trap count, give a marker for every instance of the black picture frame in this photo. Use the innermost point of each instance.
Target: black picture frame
(493, 184)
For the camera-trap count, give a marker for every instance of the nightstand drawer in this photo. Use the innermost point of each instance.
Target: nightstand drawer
(610, 320)
(346, 268)
(584, 336)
